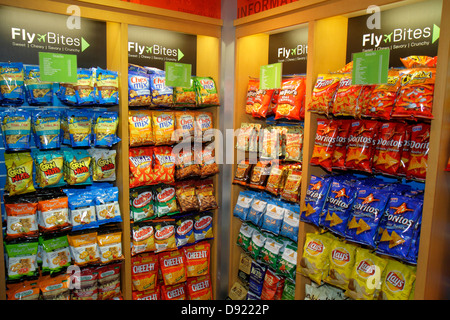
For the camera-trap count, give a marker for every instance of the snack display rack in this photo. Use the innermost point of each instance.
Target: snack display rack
(327, 44)
(118, 15)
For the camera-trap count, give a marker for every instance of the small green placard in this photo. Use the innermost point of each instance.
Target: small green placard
(370, 67)
(178, 74)
(58, 67)
(270, 76)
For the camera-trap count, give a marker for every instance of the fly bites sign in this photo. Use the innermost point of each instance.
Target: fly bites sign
(24, 33)
(405, 31)
(153, 47)
(291, 49)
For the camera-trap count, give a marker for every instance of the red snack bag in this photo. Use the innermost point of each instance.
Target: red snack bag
(164, 166)
(175, 292)
(324, 143)
(340, 146)
(197, 259)
(262, 103)
(141, 171)
(270, 285)
(415, 99)
(199, 288)
(253, 85)
(290, 98)
(361, 145)
(383, 97)
(419, 145)
(147, 295)
(388, 151)
(346, 98)
(404, 159)
(419, 62)
(144, 272)
(173, 267)
(323, 92)
(364, 99)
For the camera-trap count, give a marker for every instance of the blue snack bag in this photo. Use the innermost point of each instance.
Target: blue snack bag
(291, 219)
(243, 203)
(82, 210)
(138, 86)
(37, 92)
(84, 89)
(107, 205)
(397, 226)
(80, 127)
(106, 87)
(365, 215)
(257, 209)
(162, 95)
(272, 218)
(315, 198)
(16, 129)
(338, 205)
(12, 83)
(105, 128)
(257, 274)
(47, 129)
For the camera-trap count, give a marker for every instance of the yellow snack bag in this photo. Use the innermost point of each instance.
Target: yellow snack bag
(83, 248)
(342, 259)
(365, 280)
(314, 263)
(163, 124)
(140, 127)
(110, 247)
(19, 173)
(398, 281)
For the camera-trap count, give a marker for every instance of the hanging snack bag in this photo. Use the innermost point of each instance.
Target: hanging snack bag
(258, 208)
(103, 164)
(21, 217)
(291, 189)
(203, 127)
(364, 98)
(57, 254)
(197, 259)
(341, 259)
(144, 272)
(185, 96)
(105, 128)
(163, 125)
(106, 87)
(53, 213)
(165, 200)
(22, 291)
(324, 143)
(138, 86)
(252, 89)
(185, 164)
(37, 92)
(366, 275)
(199, 288)
(340, 146)
(143, 238)
(273, 217)
(290, 99)
(141, 204)
(323, 92)
(383, 97)
(173, 267)
(259, 175)
(207, 161)
(140, 127)
(315, 199)
(84, 89)
(12, 83)
(243, 203)
(405, 154)
(271, 146)
(76, 164)
(82, 211)
(185, 231)
(287, 264)
(256, 281)
(84, 248)
(19, 173)
(206, 92)
(276, 179)
(293, 144)
(16, 129)
(243, 137)
(46, 126)
(141, 171)
(245, 235)
(345, 102)
(314, 263)
(203, 226)
(109, 281)
(256, 244)
(262, 103)
(22, 260)
(184, 127)
(80, 127)
(162, 95)
(419, 147)
(204, 190)
(165, 236)
(271, 251)
(398, 281)
(67, 94)
(110, 246)
(419, 62)
(415, 99)
(175, 292)
(291, 221)
(187, 197)
(242, 174)
(107, 205)
(361, 145)
(164, 164)
(55, 288)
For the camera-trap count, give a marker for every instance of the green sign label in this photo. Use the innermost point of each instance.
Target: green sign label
(178, 74)
(270, 76)
(370, 67)
(58, 67)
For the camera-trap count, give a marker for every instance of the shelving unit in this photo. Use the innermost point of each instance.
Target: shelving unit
(118, 15)
(327, 39)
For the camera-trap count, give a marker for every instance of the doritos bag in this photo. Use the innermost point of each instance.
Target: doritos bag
(315, 198)
(419, 147)
(324, 143)
(340, 146)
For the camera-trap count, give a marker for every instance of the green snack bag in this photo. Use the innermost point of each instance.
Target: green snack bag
(22, 260)
(165, 201)
(206, 92)
(141, 204)
(245, 235)
(56, 254)
(256, 244)
(289, 290)
(271, 251)
(287, 264)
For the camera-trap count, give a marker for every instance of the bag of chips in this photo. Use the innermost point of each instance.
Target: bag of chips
(258, 208)
(418, 154)
(340, 145)
(207, 94)
(21, 217)
(19, 173)
(76, 167)
(257, 274)
(142, 204)
(184, 126)
(164, 164)
(80, 127)
(46, 126)
(315, 199)
(138, 86)
(203, 127)
(12, 83)
(273, 216)
(165, 200)
(324, 143)
(290, 99)
(242, 174)
(405, 154)
(143, 238)
(107, 205)
(291, 189)
(383, 97)
(342, 260)
(204, 190)
(197, 259)
(243, 203)
(245, 235)
(314, 263)
(185, 164)
(175, 292)
(291, 221)
(163, 125)
(82, 210)
(345, 102)
(106, 87)
(16, 129)
(323, 92)
(287, 264)
(252, 88)
(398, 282)
(105, 128)
(293, 147)
(37, 92)
(103, 164)
(262, 105)
(140, 127)
(271, 252)
(185, 96)
(184, 234)
(270, 285)
(207, 161)
(199, 288)
(419, 62)
(53, 213)
(141, 171)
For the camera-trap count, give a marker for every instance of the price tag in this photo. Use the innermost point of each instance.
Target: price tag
(270, 76)
(178, 74)
(58, 67)
(370, 67)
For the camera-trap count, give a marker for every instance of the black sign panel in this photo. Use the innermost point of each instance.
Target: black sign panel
(153, 47)
(290, 48)
(24, 33)
(408, 30)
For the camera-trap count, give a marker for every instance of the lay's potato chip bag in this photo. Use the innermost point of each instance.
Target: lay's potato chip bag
(342, 259)
(398, 281)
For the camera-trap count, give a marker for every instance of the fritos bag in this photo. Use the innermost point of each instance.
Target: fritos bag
(290, 99)
(345, 102)
(323, 92)
(173, 267)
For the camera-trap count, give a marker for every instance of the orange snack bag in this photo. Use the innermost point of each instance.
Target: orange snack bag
(197, 259)
(323, 92)
(164, 166)
(144, 272)
(253, 86)
(345, 101)
(199, 288)
(290, 99)
(163, 124)
(140, 127)
(172, 267)
(141, 171)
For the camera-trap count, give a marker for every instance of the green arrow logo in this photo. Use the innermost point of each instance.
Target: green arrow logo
(84, 44)
(436, 33)
(180, 55)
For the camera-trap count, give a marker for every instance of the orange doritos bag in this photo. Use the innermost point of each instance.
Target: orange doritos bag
(361, 145)
(290, 99)
(324, 143)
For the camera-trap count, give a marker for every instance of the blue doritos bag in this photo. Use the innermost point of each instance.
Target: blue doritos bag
(365, 215)
(397, 226)
(272, 218)
(315, 198)
(291, 219)
(338, 206)
(243, 203)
